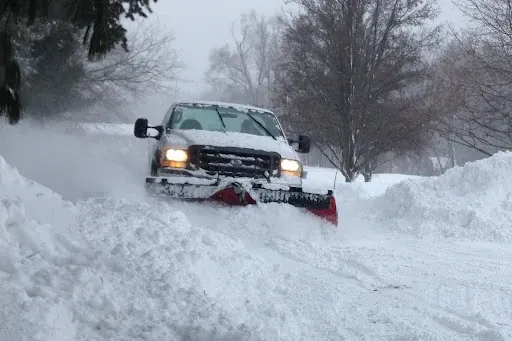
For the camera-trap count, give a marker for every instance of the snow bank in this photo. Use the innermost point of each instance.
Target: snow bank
(34, 236)
(471, 203)
(35, 201)
(142, 271)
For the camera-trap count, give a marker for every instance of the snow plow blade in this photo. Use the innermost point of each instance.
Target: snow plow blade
(237, 194)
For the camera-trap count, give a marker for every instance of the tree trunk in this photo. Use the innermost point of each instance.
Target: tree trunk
(367, 173)
(10, 79)
(349, 166)
(351, 176)
(452, 154)
(350, 170)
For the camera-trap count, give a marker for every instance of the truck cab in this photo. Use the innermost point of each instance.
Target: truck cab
(212, 139)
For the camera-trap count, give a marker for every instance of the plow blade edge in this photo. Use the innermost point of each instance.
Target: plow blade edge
(322, 205)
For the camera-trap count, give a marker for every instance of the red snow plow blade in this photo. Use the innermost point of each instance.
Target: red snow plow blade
(234, 194)
(330, 214)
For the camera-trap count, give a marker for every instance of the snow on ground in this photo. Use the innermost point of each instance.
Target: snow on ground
(115, 265)
(74, 163)
(329, 178)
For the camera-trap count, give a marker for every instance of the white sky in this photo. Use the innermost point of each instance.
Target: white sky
(199, 25)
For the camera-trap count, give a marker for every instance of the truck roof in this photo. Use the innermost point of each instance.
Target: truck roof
(238, 106)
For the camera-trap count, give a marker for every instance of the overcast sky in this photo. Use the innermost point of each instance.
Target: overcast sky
(199, 25)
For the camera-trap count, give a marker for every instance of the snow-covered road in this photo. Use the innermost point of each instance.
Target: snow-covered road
(430, 259)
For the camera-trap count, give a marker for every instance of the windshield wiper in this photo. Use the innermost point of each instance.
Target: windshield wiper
(221, 119)
(261, 125)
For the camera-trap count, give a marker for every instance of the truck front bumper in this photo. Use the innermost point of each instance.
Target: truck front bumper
(243, 192)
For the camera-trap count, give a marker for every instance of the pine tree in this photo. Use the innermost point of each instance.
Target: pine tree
(100, 21)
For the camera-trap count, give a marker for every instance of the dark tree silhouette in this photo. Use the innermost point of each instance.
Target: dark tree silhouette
(10, 80)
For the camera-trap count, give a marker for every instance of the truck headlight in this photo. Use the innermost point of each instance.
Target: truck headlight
(291, 167)
(176, 155)
(175, 158)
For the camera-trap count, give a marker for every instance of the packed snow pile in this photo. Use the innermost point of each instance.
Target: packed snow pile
(34, 243)
(473, 202)
(36, 202)
(108, 269)
(167, 279)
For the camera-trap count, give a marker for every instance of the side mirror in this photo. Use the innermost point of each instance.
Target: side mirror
(304, 144)
(140, 129)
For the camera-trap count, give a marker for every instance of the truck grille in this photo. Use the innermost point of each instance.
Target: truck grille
(236, 162)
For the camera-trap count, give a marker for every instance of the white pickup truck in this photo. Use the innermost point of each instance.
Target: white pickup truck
(233, 153)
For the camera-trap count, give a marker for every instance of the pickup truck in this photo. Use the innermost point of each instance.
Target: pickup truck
(233, 153)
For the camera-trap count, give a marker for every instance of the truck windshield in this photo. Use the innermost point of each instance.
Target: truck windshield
(206, 117)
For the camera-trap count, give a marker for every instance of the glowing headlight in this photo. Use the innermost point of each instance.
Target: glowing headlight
(176, 155)
(291, 167)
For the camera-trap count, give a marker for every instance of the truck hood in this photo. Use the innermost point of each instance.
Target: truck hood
(185, 138)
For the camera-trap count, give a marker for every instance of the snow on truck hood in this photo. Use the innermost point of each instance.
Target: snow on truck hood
(185, 138)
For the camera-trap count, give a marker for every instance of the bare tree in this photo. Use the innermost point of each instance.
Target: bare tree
(60, 81)
(245, 69)
(475, 79)
(353, 74)
(150, 66)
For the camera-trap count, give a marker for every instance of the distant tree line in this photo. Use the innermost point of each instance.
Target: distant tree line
(375, 80)
(64, 55)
